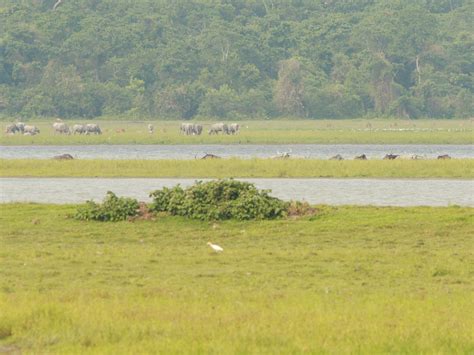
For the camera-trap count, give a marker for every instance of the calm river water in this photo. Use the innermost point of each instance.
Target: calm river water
(381, 192)
(320, 151)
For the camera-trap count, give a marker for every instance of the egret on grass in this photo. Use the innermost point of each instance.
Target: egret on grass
(215, 247)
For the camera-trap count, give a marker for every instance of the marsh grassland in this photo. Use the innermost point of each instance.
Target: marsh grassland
(225, 168)
(362, 131)
(350, 279)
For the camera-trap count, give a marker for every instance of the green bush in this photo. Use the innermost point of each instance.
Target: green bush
(218, 200)
(112, 209)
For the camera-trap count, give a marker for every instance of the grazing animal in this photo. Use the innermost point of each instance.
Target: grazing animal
(390, 157)
(219, 127)
(444, 156)
(30, 130)
(361, 157)
(15, 127)
(92, 128)
(11, 129)
(197, 129)
(234, 128)
(210, 156)
(215, 247)
(151, 129)
(63, 157)
(61, 128)
(187, 128)
(79, 128)
(337, 157)
(20, 126)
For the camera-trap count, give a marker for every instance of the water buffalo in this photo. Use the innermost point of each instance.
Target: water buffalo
(78, 128)
(337, 157)
(30, 130)
(444, 156)
(63, 157)
(92, 128)
(361, 157)
(61, 128)
(390, 157)
(210, 156)
(234, 128)
(219, 127)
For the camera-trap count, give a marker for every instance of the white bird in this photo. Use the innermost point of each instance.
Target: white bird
(215, 247)
(59, 2)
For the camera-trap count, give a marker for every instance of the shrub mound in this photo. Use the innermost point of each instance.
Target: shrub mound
(112, 209)
(218, 200)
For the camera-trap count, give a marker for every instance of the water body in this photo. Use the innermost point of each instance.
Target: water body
(245, 151)
(380, 192)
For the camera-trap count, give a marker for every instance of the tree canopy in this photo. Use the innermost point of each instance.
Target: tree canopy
(235, 59)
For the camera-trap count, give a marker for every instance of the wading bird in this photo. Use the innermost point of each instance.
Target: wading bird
(215, 247)
(59, 2)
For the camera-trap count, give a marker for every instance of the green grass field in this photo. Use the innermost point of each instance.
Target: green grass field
(348, 280)
(264, 132)
(224, 168)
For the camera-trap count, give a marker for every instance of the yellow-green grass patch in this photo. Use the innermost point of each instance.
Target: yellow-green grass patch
(363, 131)
(225, 168)
(350, 279)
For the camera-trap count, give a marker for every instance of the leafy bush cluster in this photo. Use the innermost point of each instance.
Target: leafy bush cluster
(219, 200)
(112, 209)
(213, 200)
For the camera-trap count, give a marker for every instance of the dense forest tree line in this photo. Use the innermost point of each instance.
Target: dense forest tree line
(236, 58)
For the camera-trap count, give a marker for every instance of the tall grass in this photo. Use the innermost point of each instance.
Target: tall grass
(222, 168)
(350, 280)
(264, 132)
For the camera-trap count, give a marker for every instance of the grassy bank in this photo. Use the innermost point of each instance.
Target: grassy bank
(264, 132)
(222, 168)
(365, 280)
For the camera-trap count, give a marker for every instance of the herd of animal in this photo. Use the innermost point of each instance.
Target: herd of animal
(63, 128)
(20, 127)
(58, 127)
(195, 129)
(392, 157)
(188, 129)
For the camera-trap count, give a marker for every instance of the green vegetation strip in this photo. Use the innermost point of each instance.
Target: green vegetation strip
(223, 168)
(387, 131)
(364, 279)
